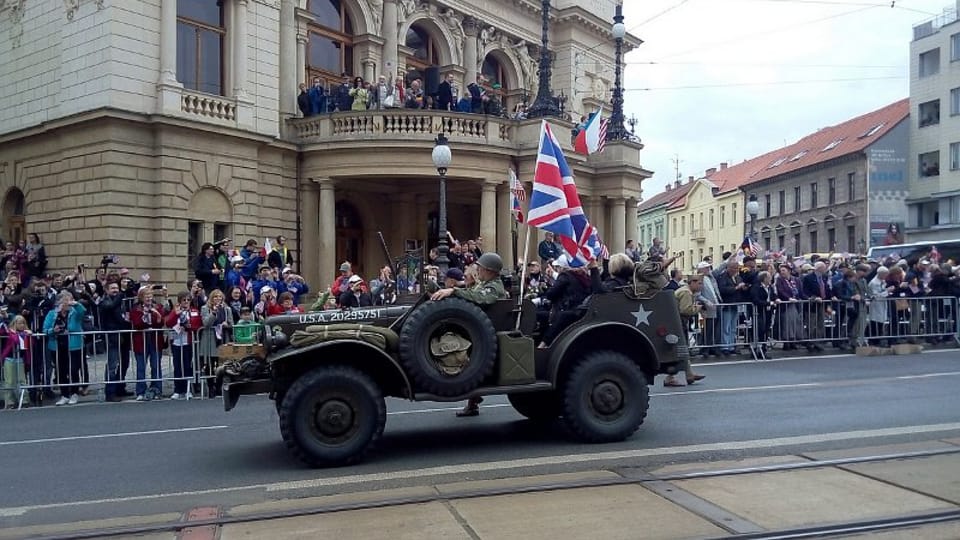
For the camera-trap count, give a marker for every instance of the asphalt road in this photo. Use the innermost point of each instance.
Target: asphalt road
(94, 461)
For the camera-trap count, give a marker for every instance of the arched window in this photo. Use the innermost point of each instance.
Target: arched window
(200, 33)
(492, 69)
(425, 51)
(330, 45)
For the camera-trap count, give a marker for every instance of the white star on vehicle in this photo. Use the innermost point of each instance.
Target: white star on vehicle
(642, 315)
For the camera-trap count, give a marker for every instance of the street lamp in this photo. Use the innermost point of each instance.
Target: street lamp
(616, 131)
(441, 160)
(753, 208)
(544, 105)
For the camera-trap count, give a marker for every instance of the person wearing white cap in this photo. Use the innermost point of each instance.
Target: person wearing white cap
(294, 284)
(234, 276)
(356, 295)
(709, 296)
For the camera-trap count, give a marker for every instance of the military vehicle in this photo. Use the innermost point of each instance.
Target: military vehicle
(329, 371)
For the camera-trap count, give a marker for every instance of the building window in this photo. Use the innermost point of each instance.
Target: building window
(930, 63)
(723, 216)
(851, 187)
(766, 204)
(200, 33)
(683, 225)
(929, 113)
(711, 219)
(832, 239)
(783, 202)
(701, 222)
(813, 195)
(954, 156)
(955, 47)
(796, 244)
(766, 243)
(781, 241)
(831, 191)
(733, 211)
(929, 164)
(954, 101)
(674, 227)
(796, 199)
(851, 238)
(194, 237)
(426, 53)
(813, 242)
(330, 41)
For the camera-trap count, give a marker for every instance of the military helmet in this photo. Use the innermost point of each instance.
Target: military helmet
(491, 261)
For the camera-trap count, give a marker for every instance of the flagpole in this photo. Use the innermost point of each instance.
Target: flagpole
(523, 277)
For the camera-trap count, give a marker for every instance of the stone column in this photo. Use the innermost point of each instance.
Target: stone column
(470, 59)
(310, 239)
(168, 42)
(288, 58)
(488, 212)
(632, 232)
(368, 73)
(389, 32)
(618, 221)
(504, 226)
(240, 51)
(328, 232)
(169, 89)
(302, 59)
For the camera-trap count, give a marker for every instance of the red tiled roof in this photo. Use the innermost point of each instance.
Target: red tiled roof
(666, 197)
(832, 142)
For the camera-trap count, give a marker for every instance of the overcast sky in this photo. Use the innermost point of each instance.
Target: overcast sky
(718, 43)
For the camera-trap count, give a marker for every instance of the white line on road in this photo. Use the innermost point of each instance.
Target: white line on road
(805, 357)
(111, 435)
(514, 464)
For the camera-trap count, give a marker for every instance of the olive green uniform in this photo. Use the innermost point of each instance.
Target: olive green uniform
(483, 293)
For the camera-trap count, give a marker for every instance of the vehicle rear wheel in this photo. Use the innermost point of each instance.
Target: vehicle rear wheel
(536, 406)
(331, 416)
(605, 398)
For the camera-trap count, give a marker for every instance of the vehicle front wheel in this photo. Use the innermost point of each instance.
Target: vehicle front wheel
(605, 398)
(331, 416)
(536, 406)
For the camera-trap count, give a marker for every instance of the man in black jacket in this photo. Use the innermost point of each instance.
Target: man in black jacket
(303, 101)
(112, 322)
(732, 290)
(445, 94)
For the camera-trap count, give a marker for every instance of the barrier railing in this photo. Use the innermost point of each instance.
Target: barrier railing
(158, 362)
(721, 329)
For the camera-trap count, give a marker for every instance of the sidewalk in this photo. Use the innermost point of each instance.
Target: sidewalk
(691, 501)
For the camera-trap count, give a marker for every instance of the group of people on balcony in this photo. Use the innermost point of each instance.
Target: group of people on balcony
(359, 95)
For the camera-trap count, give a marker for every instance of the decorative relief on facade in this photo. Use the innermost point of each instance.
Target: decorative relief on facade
(17, 7)
(72, 6)
(376, 14)
(449, 22)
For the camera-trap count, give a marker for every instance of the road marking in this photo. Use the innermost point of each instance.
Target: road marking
(513, 464)
(927, 375)
(736, 389)
(112, 435)
(806, 357)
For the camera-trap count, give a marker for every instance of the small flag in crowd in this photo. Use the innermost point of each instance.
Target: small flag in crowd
(749, 247)
(555, 205)
(592, 138)
(267, 248)
(934, 255)
(518, 195)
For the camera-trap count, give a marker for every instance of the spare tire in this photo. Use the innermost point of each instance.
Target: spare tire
(433, 319)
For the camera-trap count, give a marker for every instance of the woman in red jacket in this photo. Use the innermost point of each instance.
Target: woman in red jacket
(184, 321)
(147, 318)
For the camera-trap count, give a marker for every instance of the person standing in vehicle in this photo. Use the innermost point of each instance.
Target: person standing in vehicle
(486, 291)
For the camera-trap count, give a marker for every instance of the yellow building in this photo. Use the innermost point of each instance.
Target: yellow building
(710, 219)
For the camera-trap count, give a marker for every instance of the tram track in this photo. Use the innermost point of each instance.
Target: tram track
(632, 478)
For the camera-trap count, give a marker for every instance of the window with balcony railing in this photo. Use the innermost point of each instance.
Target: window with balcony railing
(200, 37)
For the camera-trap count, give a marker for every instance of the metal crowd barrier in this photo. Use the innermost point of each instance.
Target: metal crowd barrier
(725, 328)
(42, 368)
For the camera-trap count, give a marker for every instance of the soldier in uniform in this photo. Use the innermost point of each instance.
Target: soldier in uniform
(486, 291)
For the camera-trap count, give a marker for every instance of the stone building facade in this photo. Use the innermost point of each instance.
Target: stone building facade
(137, 129)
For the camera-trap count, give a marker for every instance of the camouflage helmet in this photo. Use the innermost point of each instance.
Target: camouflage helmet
(491, 261)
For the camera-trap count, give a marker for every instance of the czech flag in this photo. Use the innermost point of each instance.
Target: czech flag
(592, 138)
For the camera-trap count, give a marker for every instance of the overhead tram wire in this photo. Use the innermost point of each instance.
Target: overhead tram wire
(769, 83)
(892, 5)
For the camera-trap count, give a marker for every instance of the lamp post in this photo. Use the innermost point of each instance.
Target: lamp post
(544, 104)
(617, 131)
(441, 160)
(862, 247)
(753, 208)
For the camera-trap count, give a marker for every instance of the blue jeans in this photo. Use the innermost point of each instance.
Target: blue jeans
(182, 367)
(728, 327)
(150, 350)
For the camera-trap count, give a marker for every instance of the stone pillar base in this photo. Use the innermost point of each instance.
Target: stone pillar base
(245, 114)
(169, 95)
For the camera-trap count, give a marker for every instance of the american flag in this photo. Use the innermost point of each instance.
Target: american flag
(518, 195)
(555, 205)
(750, 247)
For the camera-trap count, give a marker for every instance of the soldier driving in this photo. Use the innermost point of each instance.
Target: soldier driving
(487, 290)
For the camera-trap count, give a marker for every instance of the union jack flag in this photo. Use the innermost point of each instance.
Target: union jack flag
(518, 195)
(555, 205)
